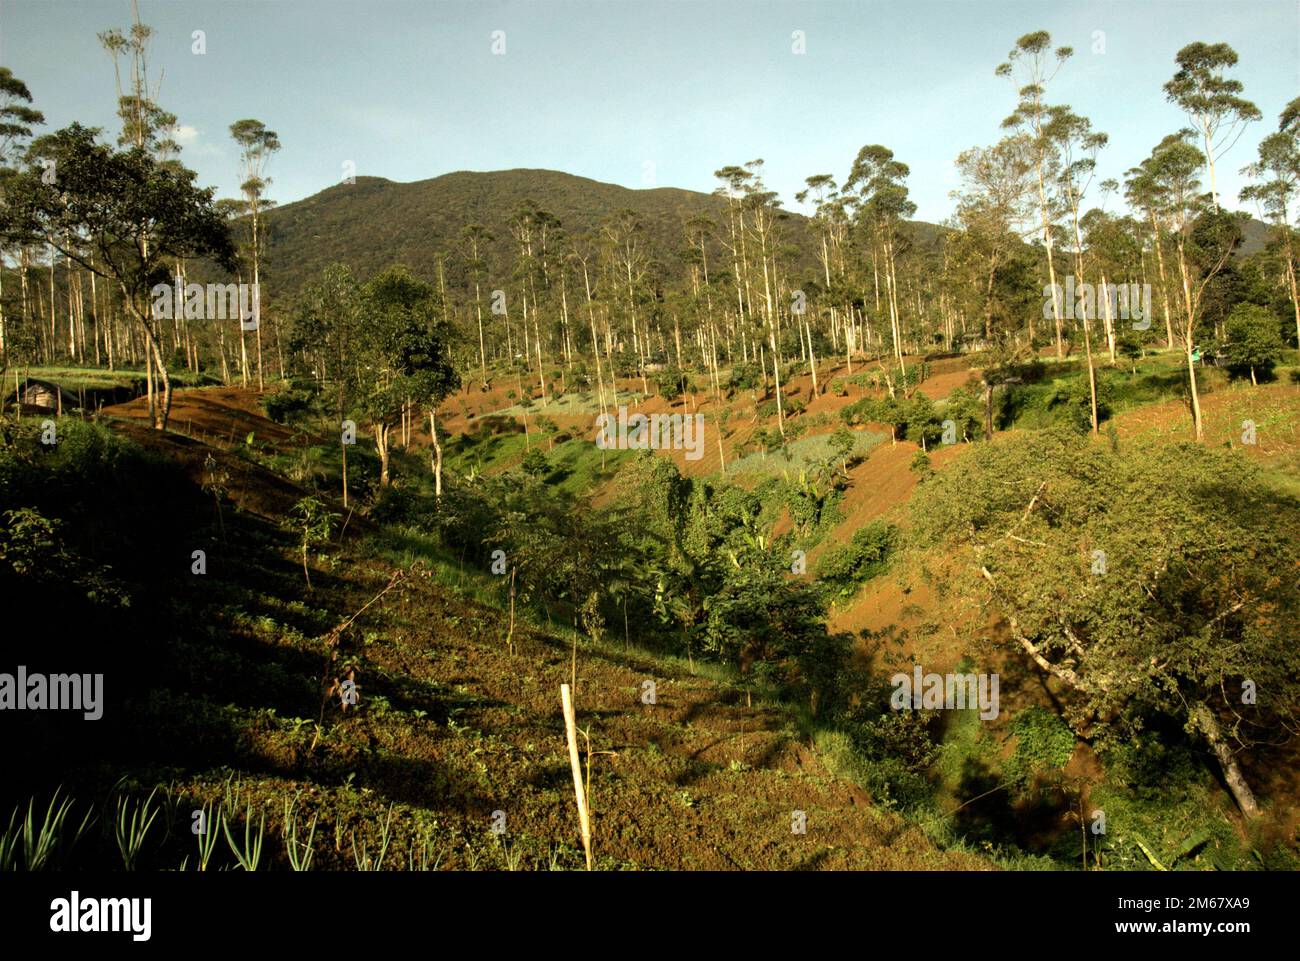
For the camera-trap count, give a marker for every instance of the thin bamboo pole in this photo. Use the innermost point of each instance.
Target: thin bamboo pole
(571, 732)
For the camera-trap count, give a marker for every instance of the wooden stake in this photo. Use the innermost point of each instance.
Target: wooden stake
(571, 732)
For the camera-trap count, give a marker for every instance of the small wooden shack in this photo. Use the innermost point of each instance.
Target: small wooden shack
(46, 397)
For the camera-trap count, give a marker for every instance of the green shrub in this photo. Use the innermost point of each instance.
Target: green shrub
(865, 556)
(1044, 744)
(535, 463)
(1252, 341)
(671, 383)
(287, 404)
(891, 755)
(746, 377)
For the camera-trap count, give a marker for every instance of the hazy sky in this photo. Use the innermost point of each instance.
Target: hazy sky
(639, 93)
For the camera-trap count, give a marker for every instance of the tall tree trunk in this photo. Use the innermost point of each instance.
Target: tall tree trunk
(436, 455)
(1164, 282)
(1044, 208)
(381, 430)
(1189, 335)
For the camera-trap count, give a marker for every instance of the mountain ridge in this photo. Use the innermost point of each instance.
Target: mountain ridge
(373, 222)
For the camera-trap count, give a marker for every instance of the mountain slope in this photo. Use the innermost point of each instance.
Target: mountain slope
(376, 222)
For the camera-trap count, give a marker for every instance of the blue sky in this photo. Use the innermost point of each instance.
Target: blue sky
(638, 93)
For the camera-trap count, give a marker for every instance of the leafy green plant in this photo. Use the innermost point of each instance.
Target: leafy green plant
(285, 405)
(250, 852)
(131, 827)
(1252, 342)
(300, 853)
(671, 383)
(866, 555)
(27, 846)
(313, 522)
(207, 838)
(745, 376)
(214, 485)
(1044, 744)
(362, 857)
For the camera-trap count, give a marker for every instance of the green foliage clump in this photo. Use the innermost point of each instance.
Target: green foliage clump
(891, 754)
(1252, 341)
(809, 502)
(914, 418)
(1065, 401)
(671, 383)
(1186, 533)
(866, 555)
(1044, 744)
(1154, 766)
(746, 377)
(966, 412)
(34, 554)
(535, 463)
(287, 404)
(312, 522)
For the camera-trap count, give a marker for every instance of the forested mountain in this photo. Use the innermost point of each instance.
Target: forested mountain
(376, 222)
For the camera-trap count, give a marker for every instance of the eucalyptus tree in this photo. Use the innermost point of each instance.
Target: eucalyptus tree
(525, 225)
(256, 145)
(1173, 167)
(1077, 145)
(764, 210)
(1030, 65)
(17, 117)
(145, 124)
(327, 326)
(992, 208)
(580, 253)
(556, 264)
(1277, 175)
(1211, 100)
(735, 181)
(881, 202)
(474, 237)
(1114, 246)
(821, 192)
(828, 224)
(1145, 195)
(232, 210)
(625, 247)
(699, 229)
